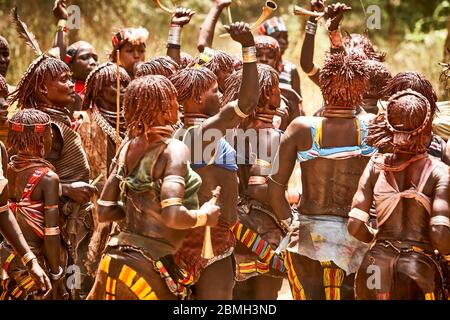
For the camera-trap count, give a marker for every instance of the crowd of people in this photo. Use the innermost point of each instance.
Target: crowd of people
(108, 169)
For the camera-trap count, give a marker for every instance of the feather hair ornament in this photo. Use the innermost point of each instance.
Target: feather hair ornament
(24, 33)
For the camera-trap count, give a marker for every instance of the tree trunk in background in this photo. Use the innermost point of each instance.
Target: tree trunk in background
(390, 9)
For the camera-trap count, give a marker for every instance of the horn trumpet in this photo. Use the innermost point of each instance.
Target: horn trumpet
(268, 8)
(299, 11)
(163, 7)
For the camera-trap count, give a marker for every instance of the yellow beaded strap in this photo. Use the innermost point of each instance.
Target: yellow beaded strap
(171, 202)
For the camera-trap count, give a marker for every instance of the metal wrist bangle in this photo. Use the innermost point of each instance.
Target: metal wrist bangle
(57, 276)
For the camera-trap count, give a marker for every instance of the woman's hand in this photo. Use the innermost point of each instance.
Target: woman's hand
(240, 32)
(59, 10)
(182, 16)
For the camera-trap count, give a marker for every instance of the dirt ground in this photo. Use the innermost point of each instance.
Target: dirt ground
(285, 291)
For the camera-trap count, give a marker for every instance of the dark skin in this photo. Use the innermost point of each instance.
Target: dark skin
(12, 232)
(4, 60)
(59, 93)
(84, 62)
(46, 191)
(180, 17)
(333, 14)
(60, 13)
(267, 137)
(206, 35)
(3, 110)
(328, 185)
(407, 221)
(170, 223)
(320, 177)
(222, 119)
(130, 54)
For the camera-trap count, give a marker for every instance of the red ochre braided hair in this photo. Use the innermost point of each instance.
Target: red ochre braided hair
(26, 129)
(344, 79)
(404, 126)
(34, 77)
(192, 83)
(103, 76)
(147, 100)
(163, 66)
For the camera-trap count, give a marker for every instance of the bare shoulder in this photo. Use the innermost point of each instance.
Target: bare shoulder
(177, 151)
(51, 178)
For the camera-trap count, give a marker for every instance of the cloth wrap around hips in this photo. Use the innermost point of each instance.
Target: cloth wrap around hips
(258, 236)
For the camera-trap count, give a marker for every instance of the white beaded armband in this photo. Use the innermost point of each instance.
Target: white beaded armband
(359, 214)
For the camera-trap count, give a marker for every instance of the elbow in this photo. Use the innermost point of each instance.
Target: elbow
(440, 239)
(352, 227)
(110, 214)
(306, 65)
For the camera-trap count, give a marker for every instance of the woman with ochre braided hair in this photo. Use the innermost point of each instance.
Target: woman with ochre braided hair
(259, 271)
(417, 82)
(33, 198)
(163, 66)
(410, 190)
(204, 115)
(322, 256)
(152, 193)
(100, 101)
(46, 86)
(334, 13)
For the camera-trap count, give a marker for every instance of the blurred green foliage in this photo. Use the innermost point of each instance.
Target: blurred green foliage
(413, 32)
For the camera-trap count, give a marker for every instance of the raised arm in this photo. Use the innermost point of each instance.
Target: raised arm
(231, 115)
(362, 200)
(179, 18)
(206, 36)
(60, 42)
(307, 54)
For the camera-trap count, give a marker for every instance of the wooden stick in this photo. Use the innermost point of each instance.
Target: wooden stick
(207, 249)
(229, 15)
(96, 180)
(118, 102)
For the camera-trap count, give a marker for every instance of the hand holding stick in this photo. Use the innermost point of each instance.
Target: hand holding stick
(207, 249)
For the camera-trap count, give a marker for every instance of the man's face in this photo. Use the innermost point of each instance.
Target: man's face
(4, 60)
(85, 61)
